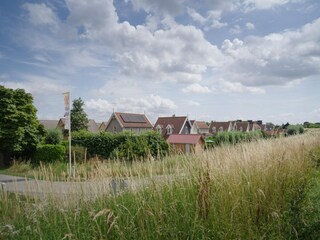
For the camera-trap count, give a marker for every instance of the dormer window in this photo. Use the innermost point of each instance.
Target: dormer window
(159, 129)
(169, 130)
(220, 129)
(214, 129)
(240, 129)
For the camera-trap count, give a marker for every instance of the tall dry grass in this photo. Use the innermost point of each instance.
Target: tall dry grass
(252, 190)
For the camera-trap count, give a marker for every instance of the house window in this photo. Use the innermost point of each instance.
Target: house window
(214, 129)
(159, 129)
(169, 130)
(186, 130)
(240, 129)
(114, 129)
(220, 129)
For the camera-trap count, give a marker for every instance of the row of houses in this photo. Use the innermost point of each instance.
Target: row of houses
(183, 134)
(139, 123)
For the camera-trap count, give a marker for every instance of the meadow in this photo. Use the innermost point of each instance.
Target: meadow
(265, 189)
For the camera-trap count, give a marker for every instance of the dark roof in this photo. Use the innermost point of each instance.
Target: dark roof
(133, 120)
(49, 124)
(224, 125)
(185, 138)
(254, 126)
(244, 125)
(175, 122)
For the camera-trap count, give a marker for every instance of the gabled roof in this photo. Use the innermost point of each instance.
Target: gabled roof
(102, 126)
(202, 125)
(185, 138)
(217, 125)
(131, 120)
(176, 123)
(49, 124)
(254, 126)
(243, 125)
(93, 126)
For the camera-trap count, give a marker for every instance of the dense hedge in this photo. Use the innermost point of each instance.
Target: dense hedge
(233, 138)
(48, 153)
(121, 145)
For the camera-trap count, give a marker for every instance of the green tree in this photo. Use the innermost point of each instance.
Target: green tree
(79, 119)
(19, 126)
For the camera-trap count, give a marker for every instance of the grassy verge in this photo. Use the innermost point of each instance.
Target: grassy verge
(262, 190)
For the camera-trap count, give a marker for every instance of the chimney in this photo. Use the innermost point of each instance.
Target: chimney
(173, 115)
(259, 121)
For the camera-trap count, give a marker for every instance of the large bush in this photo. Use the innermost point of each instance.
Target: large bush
(53, 136)
(295, 129)
(48, 153)
(121, 145)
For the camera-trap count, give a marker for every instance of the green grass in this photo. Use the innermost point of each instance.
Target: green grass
(262, 190)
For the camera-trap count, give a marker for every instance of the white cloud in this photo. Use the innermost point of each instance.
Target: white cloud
(250, 5)
(275, 59)
(174, 53)
(41, 14)
(235, 30)
(237, 87)
(152, 104)
(213, 19)
(159, 6)
(250, 26)
(37, 85)
(196, 16)
(196, 88)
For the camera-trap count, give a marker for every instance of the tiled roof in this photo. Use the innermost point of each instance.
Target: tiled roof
(175, 122)
(243, 125)
(49, 124)
(185, 138)
(202, 125)
(133, 120)
(224, 125)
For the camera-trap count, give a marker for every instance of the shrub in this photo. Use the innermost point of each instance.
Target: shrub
(295, 129)
(48, 153)
(121, 145)
(53, 136)
(301, 129)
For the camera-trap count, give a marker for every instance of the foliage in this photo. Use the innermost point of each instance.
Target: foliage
(121, 145)
(233, 137)
(53, 136)
(311, 125)
(79, 119)
(18, 122)
(48, 153)
(294, 129)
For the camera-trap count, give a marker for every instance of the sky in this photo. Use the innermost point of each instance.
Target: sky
(207, 59)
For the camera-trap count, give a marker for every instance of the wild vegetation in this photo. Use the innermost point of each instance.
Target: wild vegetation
(264, 189)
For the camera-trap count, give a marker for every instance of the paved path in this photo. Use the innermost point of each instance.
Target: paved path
(41, 188)
(85, 190)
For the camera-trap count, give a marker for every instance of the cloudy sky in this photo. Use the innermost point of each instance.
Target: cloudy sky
(209, 59)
